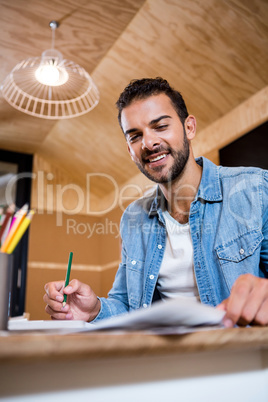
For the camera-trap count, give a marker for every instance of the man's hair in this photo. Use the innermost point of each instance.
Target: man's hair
(146, 87)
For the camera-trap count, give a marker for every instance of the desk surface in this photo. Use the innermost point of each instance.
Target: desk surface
(25, 346)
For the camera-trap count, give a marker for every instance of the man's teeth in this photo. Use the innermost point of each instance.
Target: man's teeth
(157, 158)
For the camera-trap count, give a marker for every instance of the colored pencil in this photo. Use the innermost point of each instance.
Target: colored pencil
(67, 279)
(19, 215)
(20, 232)
(9, 212)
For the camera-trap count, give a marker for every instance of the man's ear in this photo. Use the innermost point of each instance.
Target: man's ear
(190, 127)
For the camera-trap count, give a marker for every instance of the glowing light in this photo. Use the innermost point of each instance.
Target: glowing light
(51, 75)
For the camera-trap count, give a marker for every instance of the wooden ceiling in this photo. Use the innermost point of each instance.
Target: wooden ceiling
(214, 51)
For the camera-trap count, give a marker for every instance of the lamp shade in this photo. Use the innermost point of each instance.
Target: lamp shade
(50, 87)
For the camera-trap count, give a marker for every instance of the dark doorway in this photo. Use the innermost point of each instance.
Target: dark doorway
(249, 150)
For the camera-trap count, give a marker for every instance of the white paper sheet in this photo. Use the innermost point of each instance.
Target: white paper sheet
(172, 316)
(172, 313)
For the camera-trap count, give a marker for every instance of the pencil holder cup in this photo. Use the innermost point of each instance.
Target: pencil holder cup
(6, 267)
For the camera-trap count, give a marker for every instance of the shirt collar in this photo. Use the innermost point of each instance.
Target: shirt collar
(209, 188)
(159, 202)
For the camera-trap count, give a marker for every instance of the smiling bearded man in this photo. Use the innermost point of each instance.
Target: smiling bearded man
(202, 234)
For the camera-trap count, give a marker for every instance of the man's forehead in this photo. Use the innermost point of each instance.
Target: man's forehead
(156, 100)
(149, 108)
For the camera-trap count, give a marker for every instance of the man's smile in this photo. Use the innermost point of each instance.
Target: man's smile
(157, 158)
(155, 155)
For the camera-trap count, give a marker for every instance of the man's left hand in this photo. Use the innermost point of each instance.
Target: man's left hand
(247, 303)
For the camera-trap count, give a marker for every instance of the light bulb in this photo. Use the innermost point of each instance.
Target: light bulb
(51, 75)
(47, 74)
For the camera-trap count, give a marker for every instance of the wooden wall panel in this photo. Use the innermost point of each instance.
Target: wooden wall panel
(53, 189)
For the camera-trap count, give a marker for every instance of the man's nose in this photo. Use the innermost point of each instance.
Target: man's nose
(150, 140)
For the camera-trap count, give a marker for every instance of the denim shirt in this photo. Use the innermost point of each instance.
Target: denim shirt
(229, 230)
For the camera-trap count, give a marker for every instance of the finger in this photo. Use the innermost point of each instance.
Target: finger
(56, 285)
(58, 298)
(223, 305)
(55, 305)
(76, 286)
(54, 289)
(261, 317)
(256, 303)
(238, 298)
(56, 315)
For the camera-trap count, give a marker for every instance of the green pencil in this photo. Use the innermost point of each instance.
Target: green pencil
(67, 276)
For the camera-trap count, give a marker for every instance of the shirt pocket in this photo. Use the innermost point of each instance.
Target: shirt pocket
(134, 272)
(240, 248)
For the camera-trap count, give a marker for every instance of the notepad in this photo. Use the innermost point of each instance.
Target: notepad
(44, 325)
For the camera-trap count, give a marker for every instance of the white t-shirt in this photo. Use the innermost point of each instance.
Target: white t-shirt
(176, 276)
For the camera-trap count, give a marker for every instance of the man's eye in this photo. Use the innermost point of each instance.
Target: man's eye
(162, 127)
(134, 137)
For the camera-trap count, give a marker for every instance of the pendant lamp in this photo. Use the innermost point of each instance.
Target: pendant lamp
(50, 87)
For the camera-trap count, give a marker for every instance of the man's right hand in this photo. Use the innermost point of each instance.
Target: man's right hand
(82, 303)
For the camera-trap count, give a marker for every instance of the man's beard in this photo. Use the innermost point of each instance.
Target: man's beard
(180, 160)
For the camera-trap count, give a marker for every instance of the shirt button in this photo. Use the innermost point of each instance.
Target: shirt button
(151, 276)
(133, 262)
(241, 251)
(159, 246)
(144, 305)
